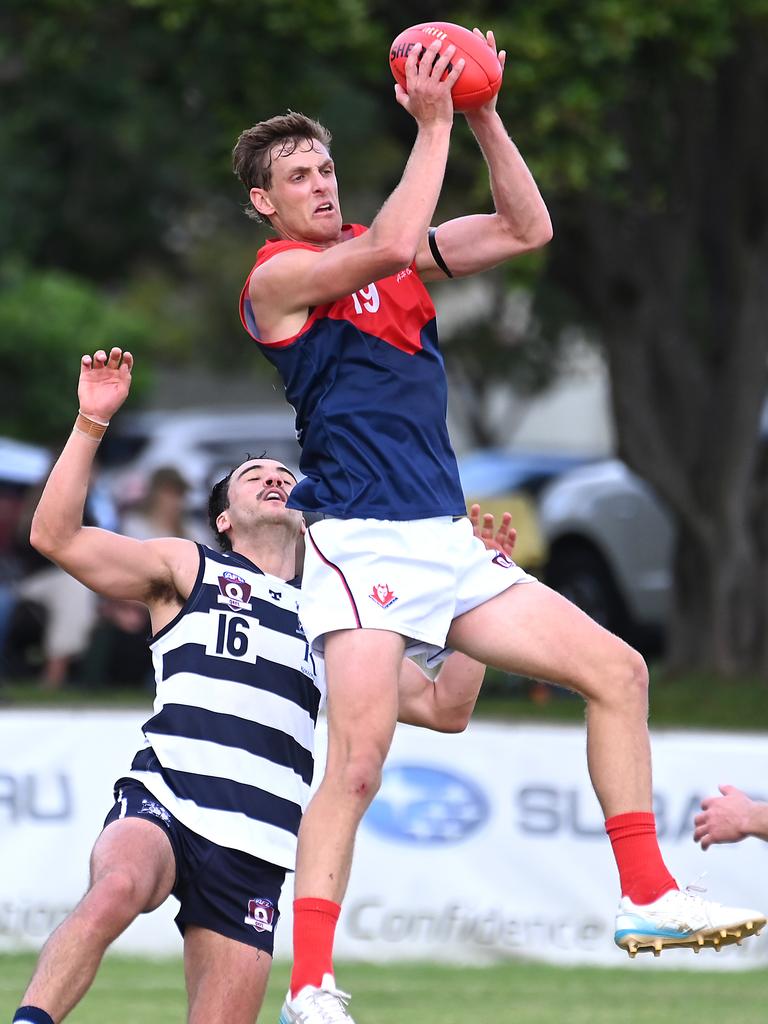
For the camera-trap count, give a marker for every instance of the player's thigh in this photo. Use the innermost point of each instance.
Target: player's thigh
(532, 630)
(135, 857)
(362, 673)
(226, 979)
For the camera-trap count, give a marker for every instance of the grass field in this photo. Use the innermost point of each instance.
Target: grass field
(140, 991)
(690, 701)
(696, 701)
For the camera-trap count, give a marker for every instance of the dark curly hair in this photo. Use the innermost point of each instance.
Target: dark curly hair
(218, 501)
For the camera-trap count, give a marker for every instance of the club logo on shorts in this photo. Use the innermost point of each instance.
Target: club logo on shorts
(155, 809)
(501, 559)
(261, 914)
(235, 592)
(382, 595)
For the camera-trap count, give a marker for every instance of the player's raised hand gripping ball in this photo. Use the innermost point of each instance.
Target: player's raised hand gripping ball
(481, 78)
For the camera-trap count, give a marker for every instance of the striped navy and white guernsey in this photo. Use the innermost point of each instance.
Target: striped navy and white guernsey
(229, 749)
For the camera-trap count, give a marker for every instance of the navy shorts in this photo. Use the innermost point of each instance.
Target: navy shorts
(226, 891)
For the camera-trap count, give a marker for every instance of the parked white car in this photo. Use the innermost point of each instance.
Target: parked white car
(203, 444)
(610, 547)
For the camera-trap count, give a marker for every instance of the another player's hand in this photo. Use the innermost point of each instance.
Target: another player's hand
(490, 106)
(724, 819)
(426, 97)
(502, 539)
(105, 381)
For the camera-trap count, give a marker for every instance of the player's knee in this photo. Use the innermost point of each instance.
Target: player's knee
(637, 671)
(116, 898)
(621, 681)
(361, 777)
(632, 677)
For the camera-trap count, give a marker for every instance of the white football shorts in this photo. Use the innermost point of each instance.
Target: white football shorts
(413, 578)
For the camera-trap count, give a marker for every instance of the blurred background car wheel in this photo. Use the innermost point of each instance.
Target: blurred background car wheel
(579, 572)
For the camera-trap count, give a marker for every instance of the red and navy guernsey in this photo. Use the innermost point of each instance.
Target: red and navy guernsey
(367, 382)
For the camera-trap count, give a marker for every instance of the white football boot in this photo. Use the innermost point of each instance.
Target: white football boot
(313, 1005)
(681, 918)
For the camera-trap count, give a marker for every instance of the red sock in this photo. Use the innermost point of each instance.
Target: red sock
(642, 872)
(314, 925)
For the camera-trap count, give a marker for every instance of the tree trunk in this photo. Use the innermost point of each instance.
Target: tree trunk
(678, 290)
(718, 613)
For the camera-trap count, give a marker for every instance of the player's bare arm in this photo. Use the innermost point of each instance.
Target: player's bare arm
(730, 818)
(446, 702)
(158, 572)
(521, 222)
(284, 288)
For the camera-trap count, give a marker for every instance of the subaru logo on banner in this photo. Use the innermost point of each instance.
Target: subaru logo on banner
(417, 804)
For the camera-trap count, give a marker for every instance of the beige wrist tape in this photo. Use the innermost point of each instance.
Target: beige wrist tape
(89, 427)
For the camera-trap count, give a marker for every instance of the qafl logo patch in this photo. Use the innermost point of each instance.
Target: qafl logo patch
(261, 915)
(235, 592)
(382, 595)
(501, 559)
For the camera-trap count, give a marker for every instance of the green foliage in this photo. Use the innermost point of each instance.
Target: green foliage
(641, 122)
(572, 67)
(47, 322)
(119, 118)
(118, 124)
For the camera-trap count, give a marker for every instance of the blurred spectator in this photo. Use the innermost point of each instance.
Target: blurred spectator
(21, 466)
(163, 513)
(118, 654)
(69, 611)
(52, 610)
(10, 569)
(55, 629)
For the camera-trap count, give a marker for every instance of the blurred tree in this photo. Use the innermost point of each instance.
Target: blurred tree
(118, 124)
(641, 122)
(48, 320)
(662, 249)
(119, 118)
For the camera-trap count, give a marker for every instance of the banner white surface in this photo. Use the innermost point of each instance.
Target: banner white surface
(479, 847)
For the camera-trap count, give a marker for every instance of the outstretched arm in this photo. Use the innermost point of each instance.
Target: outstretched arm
(108, 563)
(285, 286)
(730, 818)
(446, 702)
(521, 221)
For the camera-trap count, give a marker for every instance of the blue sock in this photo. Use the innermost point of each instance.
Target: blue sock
(31, 1015)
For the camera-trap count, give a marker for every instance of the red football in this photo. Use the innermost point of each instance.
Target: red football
(481, 78)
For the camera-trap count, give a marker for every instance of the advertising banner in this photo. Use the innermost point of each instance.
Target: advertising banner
(478, 847)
